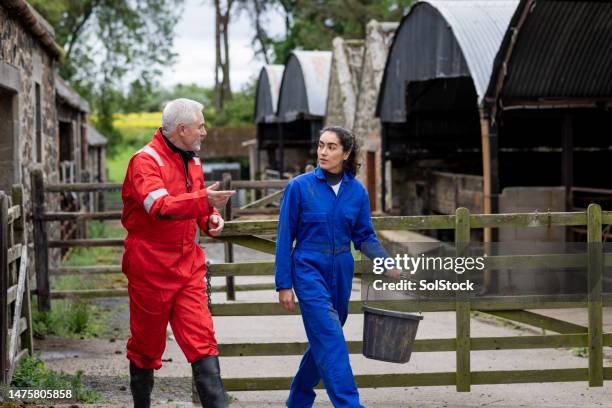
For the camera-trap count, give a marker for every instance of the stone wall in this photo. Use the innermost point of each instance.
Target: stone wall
(20, 50)
(367, 126)
(25, 61)
(347, 59)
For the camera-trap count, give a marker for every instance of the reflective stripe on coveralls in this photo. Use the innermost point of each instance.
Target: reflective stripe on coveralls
(320, 270)
(153, 195)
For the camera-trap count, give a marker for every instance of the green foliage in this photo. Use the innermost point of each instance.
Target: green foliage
(237, 112)
(312, 25)
(68, 318)
(152, 99)
(31, 373)
(104, 41)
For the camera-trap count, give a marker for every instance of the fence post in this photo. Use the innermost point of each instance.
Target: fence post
(594, 304)
(19, 228)
(4, 367)
(41, 255)
(229, 247)
(462, 239)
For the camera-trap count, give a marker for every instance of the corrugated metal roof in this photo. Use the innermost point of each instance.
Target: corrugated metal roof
(443, 39)
(305, 84)
(94, 137)
(555, 50)
(268, 88)
(69, 95)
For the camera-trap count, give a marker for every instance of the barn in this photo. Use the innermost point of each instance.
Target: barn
(301, 108)
(435, 78)
(266, 122)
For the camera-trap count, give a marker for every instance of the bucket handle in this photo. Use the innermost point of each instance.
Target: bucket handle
(401, 276)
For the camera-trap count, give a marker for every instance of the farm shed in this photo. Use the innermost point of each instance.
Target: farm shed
(366, 125)
(437, 72)
(546, 111)
(27, 96)
(266, 104)
(72, 113)
(301, 108)
(347, 60)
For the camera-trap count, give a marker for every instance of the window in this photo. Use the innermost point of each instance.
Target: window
(38, 124)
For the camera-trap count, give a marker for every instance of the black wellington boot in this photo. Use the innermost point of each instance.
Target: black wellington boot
(207, 378)
(141, 384)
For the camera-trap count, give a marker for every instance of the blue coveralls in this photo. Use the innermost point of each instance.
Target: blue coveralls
(320, 270)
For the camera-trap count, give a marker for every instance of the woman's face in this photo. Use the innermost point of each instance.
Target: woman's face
(330, 153)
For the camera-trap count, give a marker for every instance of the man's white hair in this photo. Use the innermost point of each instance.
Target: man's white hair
(179, 111)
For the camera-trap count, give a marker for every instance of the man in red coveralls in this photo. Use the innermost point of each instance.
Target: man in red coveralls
(164, 202)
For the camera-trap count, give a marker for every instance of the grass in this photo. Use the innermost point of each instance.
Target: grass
(32, 373)
(68, 318)
(78, 318)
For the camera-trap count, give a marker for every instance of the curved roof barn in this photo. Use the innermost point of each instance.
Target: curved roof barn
(443, 39)
(268, 88)
(555, 52)
(303, 92)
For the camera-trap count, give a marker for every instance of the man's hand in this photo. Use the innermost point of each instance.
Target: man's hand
(286, 300)
(218, 198)
(215, 225)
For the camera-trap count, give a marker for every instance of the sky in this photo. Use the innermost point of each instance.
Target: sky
(194, 44)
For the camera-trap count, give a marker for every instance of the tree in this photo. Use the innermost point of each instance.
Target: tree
(312, 25)
(223, 91)
(107, 42)
(257, 9)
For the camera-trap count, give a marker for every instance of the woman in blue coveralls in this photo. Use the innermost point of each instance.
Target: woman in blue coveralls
(323, 211)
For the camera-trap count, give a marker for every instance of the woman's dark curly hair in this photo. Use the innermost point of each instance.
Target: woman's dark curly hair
(348, 142)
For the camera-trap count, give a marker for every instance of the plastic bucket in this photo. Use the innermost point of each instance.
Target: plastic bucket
(389, 335)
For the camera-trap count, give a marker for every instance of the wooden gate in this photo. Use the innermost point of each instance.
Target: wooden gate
(16, 319)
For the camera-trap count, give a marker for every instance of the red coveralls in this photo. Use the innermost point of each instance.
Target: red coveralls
(164, 265)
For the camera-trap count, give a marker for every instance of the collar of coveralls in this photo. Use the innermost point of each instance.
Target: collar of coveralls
(321, 175)
(186, 155)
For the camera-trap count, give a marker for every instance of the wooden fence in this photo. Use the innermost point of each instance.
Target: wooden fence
(16, 317)
(508, 307)
(256, 235)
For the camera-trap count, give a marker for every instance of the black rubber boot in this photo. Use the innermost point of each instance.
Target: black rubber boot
(207, 378)
(141, 384)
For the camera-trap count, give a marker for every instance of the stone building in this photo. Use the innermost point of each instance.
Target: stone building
(366, 125)
(28, 135)
(347, 58)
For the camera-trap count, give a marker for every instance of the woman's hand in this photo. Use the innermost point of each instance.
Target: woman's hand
(286, 299)
(394, 273)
